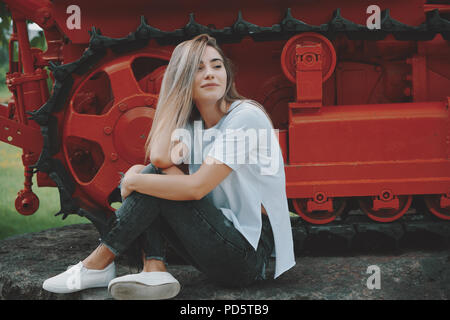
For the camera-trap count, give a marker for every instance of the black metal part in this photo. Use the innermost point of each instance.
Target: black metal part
(360, 234)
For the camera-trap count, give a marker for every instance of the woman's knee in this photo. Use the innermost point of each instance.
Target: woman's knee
(137, 199)
(137, 203)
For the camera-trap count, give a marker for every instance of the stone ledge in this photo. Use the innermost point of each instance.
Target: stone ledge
(27, 260)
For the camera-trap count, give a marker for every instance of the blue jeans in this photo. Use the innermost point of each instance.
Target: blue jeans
(197, 230)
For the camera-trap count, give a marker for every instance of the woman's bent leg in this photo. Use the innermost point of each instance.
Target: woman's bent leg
(151, 241)
(136, 214)
(211, 243)
(132, 239)
(99, 259)
(206, 237)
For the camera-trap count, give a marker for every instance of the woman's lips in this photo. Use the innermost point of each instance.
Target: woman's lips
(210, 85)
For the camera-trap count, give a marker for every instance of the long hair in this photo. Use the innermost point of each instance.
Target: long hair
(175, 105)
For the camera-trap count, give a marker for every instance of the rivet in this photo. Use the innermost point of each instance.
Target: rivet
(123, 107)
(107, 130)
(149, 102)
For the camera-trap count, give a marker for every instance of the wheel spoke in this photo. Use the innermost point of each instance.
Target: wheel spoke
(86, 126)
(123, 82)
(104, 182)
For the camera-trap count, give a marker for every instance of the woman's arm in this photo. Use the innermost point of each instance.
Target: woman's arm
(159, 152)
(178, 186)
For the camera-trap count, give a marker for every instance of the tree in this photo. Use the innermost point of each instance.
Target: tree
(5, 33)
(5, 24)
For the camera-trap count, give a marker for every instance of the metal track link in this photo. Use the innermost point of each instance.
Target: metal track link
(360, 234)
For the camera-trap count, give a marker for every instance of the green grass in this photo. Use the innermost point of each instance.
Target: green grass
(4, 93)
(11, 181)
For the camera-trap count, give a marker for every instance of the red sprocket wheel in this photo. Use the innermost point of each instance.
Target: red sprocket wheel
(108, 120)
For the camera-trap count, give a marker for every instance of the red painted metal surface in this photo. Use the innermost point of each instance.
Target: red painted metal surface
(105, 134)
(358, 119)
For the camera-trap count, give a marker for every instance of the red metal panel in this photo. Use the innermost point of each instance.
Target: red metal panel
(20, 135)
(359, 150)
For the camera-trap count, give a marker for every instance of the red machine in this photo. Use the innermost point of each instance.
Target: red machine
(362, 108)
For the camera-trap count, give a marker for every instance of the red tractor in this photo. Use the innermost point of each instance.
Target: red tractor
(360, 94)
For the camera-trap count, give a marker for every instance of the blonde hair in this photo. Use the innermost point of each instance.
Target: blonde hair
(175, 105)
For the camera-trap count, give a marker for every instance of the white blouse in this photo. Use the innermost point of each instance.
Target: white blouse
(245, 140)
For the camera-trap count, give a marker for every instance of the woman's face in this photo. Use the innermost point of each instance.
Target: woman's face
(211, 78)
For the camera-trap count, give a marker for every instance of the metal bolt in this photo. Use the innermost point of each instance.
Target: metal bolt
(290, 25)
(114, 156)
(319, 197)
(339, 24)
(107, 130)
(143, 33)
(96, 43)
(192, 30)
(123, 107)
(308, 59)
(241, 27)
(149, 102)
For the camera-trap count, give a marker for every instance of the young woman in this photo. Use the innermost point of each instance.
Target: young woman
(226, 218)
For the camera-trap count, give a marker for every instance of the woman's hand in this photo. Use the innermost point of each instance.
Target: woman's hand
(125, 185)
(125, 189)
(137, 168)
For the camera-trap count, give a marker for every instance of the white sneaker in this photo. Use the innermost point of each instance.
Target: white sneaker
(144, 286)
(78, 277)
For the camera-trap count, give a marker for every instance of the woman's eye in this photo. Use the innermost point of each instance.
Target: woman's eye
(200, 68)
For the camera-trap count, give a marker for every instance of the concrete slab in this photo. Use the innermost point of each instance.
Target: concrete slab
(27, 260)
